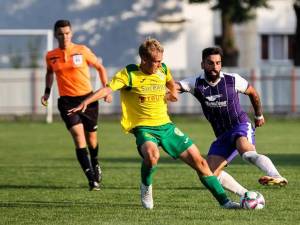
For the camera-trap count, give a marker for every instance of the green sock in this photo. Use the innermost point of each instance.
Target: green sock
(147, 174)
(214, 186)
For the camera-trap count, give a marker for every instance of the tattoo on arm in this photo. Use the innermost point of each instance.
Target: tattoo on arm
(256, 103)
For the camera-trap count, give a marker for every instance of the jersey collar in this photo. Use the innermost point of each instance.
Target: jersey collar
(202, 76)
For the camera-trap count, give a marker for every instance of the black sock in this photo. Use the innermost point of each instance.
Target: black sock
(94, 155)
(82, 156)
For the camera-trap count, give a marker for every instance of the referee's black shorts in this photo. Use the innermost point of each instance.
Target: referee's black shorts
(89, 118)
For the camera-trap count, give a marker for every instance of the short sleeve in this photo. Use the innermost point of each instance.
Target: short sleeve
(241, 84)
(188, 84)
(48, 64)
(91, 58)
(119, 80)
(168, 75)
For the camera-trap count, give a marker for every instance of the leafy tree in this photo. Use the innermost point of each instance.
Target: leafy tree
(233, 12)
(297, 34)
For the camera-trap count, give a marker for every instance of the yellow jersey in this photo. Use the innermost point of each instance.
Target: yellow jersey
(142, 96)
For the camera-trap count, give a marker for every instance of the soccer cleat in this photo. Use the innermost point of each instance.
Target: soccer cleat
(276, 181)
(98, 173)
(94, 186)
(231, 205)
(146, 196)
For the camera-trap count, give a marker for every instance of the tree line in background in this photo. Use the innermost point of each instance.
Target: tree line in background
(238, 12)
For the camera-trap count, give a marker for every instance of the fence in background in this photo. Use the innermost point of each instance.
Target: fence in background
(279, 87)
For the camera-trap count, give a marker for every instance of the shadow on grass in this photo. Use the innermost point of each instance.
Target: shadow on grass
(167, 188)
(121, 159)
(31, 186)
(84, 187)
(47, 204)
(278, 159)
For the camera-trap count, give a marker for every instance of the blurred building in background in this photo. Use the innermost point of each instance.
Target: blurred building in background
(114, 29)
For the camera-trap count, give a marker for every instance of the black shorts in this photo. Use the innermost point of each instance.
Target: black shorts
(89, 118)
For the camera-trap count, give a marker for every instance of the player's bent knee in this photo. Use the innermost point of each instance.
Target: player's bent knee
(203, 168)
(151, 159)
(250, 156)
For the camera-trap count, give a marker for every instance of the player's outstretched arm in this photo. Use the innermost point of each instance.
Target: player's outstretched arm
(256, 103)
(103, 78)
(172, 94)
(99, 94)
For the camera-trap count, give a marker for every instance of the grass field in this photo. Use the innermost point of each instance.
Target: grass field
(41, 182)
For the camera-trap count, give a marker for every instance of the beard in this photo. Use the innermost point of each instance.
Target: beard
(212, 75)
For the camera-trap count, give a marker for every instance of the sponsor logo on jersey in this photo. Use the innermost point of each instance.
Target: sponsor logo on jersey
(213, 98)
(153, 88)
(213, 103)
(152, 98)
(216, 104)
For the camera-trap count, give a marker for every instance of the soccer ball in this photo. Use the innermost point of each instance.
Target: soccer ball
(252, 200)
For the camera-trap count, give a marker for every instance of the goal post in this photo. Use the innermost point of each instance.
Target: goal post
(49, 46)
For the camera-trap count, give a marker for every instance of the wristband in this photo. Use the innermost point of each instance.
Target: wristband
(259, 117)
(47, 90)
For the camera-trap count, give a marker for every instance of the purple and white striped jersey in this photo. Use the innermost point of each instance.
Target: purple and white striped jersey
(220, 101)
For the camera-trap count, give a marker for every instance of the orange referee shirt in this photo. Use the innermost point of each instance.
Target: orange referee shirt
(71, 67)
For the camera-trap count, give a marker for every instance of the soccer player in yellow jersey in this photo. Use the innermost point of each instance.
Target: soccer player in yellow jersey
(70, 63)
(144, 114)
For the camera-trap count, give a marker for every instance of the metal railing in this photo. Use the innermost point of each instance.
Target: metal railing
(279, 88)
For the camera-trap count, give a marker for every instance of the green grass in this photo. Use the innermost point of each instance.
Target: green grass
(41, 182)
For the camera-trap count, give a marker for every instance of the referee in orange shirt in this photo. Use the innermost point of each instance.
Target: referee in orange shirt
(70, 62)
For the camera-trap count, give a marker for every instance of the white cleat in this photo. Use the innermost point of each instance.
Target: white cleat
(146, 196)
(231, 205)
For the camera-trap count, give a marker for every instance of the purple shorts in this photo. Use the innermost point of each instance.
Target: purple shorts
(224, 145)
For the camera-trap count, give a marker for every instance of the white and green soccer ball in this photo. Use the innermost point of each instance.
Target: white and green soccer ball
(252, 200)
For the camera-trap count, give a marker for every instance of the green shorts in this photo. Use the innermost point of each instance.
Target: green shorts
(168, 136)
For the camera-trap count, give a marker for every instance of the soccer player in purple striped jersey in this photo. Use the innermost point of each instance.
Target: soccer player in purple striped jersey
(217, 92)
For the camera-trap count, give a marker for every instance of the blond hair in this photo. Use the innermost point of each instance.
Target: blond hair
(150, 46)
